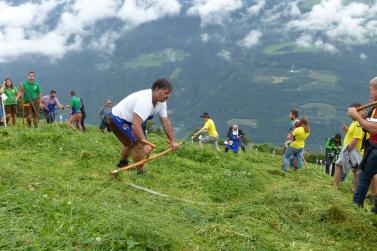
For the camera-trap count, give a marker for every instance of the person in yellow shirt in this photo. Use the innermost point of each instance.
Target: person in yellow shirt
(352, 141)
(296, 148)
(210, 128)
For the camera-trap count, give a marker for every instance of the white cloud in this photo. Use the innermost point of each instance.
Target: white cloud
(251, 39)
(363, 56)
(294, 10)
(25, 29)
(225, 55)
(204, 37)
(214, 11)
(25, 15)
(336, 23)
(307, 41)
(140, 11)
(105, 43)
(255, 9)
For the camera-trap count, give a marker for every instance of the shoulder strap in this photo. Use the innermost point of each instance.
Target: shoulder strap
(364, 141)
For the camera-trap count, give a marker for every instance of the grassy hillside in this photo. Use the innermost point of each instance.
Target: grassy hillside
(56, 194)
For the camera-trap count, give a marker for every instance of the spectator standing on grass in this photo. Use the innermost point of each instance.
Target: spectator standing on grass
(10, 103)
(76, 116)
(83, 115)
(296, 147)
(352, 152)
(31, 92)
(105, 116)
(368, 165)
(333, 147)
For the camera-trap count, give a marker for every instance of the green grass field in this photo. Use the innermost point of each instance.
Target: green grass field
(56, 194)
(176, 73)
(156, 59)
(286, 48)
(271, 79)
(243, 122)
(319, 110)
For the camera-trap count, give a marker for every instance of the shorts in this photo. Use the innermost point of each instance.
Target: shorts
(123, 130)
(209, 139)
(10, 109)
(339, 162)
(30, 107)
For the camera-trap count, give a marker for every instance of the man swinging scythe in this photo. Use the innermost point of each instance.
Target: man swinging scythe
(129, 117)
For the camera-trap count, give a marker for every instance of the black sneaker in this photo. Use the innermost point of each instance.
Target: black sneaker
(372, 199)
(141, 172)
(374, 209)
(122, 163)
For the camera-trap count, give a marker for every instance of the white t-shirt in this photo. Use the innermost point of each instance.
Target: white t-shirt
(140, 103)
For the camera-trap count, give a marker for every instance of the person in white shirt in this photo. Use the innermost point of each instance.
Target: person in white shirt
(129, 117)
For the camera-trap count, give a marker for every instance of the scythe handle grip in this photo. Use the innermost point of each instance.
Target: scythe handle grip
(148, 143)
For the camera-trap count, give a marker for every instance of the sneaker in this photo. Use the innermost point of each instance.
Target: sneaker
(122, 163)
(374, 209)
(372, 199)
(141, 171)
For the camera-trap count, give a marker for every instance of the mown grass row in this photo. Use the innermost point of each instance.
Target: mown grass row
(56, 194)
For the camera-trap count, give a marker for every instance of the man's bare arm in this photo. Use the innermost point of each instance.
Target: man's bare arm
(136, 127)
(168, 129)
(371, 127)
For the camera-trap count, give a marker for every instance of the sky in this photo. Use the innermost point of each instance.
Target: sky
(53, 28)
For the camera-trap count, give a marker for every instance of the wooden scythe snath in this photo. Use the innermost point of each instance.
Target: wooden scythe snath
(142, 162)
(148, 143)
(370, 104)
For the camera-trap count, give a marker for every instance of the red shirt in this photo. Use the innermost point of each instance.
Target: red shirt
(373, 137)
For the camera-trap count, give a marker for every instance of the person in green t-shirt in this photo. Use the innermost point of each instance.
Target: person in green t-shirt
(76, 117)
(10, 104)
(31, 92)
(333, 147)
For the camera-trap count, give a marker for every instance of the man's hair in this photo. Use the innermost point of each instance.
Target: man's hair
(52, 91)
(295, 112)
(162, 83)
(73, 93)
(338, 136)
(31, 72)
(373, 82)
(355, 105)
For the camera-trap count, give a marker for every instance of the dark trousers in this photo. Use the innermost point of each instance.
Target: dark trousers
(330, 164)
(83, 120)
(50, 116)
(105, 125)
(365, 177)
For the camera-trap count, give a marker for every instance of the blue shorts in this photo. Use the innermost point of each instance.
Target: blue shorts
(124, 126)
